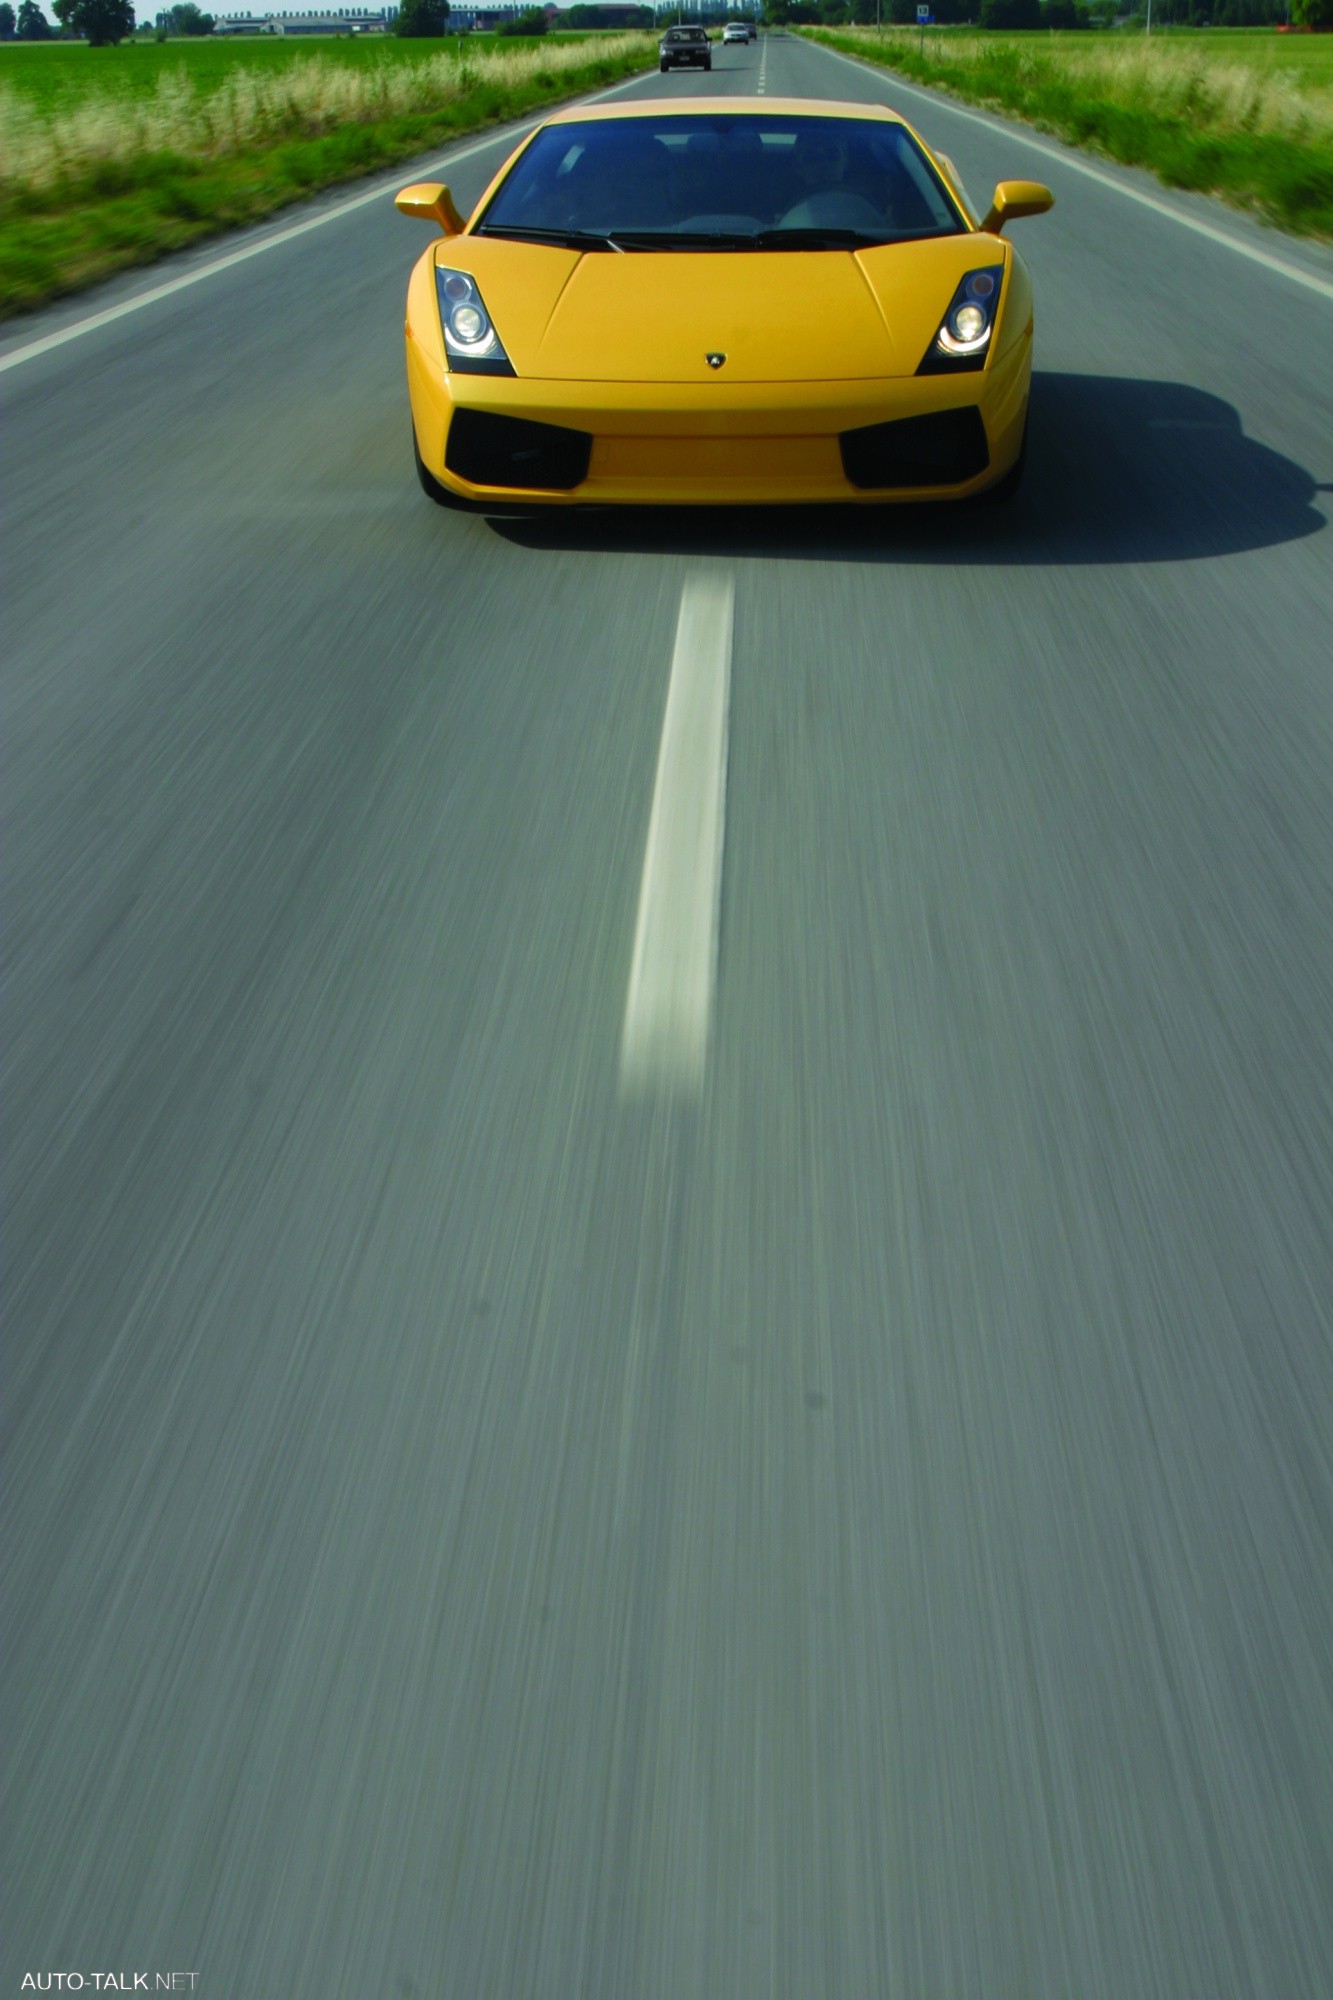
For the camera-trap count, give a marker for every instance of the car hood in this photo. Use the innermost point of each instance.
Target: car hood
(777, 316)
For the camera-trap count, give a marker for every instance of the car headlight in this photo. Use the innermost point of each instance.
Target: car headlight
(963, 340)
(471, 344)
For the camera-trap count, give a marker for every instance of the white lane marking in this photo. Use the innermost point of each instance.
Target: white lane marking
(667, 1012)
(1322, 286)
(274, 242)
(763, 68)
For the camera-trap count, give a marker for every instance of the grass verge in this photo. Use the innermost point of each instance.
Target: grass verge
(1258, 138)
(124, 176)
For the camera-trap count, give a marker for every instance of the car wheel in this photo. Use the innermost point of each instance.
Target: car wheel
(431, 486)
(663, 68)
(1004, 489)
(709, 63)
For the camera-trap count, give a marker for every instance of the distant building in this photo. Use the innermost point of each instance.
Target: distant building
(609, 13)
(324, 21)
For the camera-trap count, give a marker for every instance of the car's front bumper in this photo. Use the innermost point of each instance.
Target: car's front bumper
(715, 443)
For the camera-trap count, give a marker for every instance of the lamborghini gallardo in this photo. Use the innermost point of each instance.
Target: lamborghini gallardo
(720, 301)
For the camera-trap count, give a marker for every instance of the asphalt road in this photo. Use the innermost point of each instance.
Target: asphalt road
(861, 1528)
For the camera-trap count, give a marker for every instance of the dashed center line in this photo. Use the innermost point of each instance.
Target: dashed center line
(668, 1011)
(763, 68)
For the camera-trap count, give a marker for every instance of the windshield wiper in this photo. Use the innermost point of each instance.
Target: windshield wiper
(689, 239)
(815, 239)
(564, 239)
(681, 239)
(737, 239)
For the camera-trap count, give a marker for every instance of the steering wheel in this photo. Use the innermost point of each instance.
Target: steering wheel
(834, 210)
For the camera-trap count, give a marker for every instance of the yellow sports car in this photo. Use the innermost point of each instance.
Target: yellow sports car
(720, 300)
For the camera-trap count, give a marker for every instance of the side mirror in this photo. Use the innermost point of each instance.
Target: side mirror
(430, 201)
(1013, 199)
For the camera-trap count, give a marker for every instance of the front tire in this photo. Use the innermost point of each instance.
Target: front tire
(431, 486)
(1004, 489)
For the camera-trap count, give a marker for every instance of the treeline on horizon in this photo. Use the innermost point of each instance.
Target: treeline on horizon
(108, 21)
(114, 20)
(1018, 14)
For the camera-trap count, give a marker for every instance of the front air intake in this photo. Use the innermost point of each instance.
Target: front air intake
(511, 451)
(942, 449)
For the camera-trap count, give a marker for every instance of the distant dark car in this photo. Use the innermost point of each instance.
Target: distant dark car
(685, 48)
(752, 31)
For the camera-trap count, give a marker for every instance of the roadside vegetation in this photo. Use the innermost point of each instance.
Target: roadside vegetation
(1244, 115)
(110, 157)
(1007, 15)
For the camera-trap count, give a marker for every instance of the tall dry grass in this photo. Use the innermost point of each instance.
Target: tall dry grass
(1173, 77)
(1257, 137)
(253, 109)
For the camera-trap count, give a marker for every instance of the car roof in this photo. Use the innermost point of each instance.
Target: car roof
(730, 107)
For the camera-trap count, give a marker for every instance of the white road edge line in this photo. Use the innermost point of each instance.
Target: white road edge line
(79, 327)
(664, 1045)
(1014, 131)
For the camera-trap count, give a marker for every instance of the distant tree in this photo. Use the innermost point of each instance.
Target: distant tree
(1312, 13)
(582, 16)
(422, 17)
(6, 22)
(188, 19)
(1010, 14)
(102, 23)
(532, 21)
(32, 25)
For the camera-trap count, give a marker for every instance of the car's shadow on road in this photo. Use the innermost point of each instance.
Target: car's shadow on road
(1118, 471)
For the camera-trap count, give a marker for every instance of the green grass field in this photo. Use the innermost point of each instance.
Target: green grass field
(56, 77)
(109, 157)
(1245, 114)
(1305, 59)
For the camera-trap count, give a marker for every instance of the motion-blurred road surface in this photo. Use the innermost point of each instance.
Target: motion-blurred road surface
(478, 1527)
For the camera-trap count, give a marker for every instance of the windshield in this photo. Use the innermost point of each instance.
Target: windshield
(733, 181)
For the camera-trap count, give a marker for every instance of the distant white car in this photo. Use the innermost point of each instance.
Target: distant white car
(735, 31)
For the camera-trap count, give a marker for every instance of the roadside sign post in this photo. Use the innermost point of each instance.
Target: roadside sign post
(924, 17)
